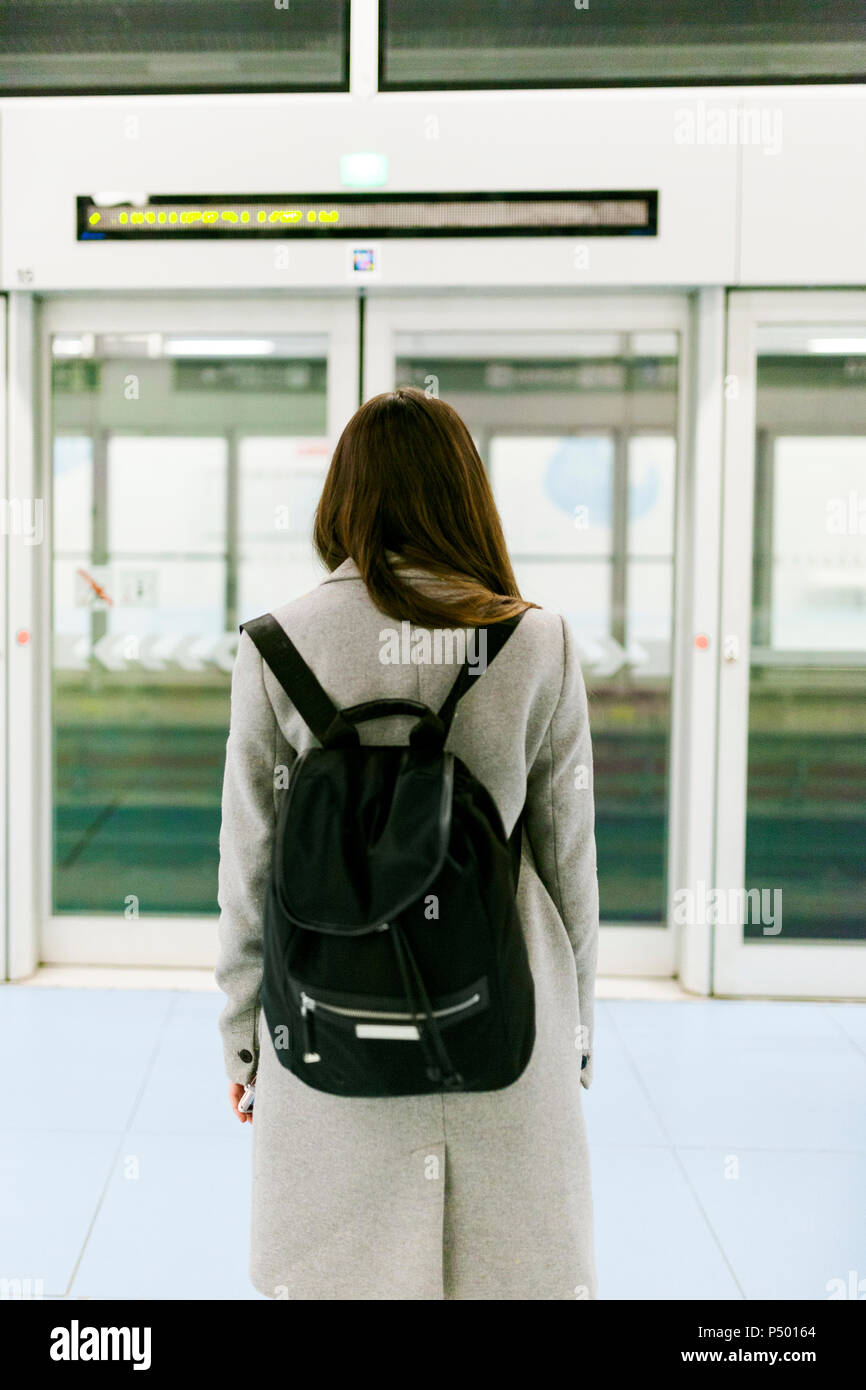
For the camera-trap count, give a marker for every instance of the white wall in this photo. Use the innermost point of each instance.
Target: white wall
(804, 211)
(799, 217)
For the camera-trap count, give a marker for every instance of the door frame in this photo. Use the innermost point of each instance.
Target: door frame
(811, 969)
(40, 935)
(660, 950)
(22, 641)
(6, 543)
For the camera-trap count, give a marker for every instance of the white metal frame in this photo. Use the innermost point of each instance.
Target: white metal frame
(364, 49)
(22, 750)
(624, 949)
(698, 576)
(799, 969)
(5, 544)
(39, 934)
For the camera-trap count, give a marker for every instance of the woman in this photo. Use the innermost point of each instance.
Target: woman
(482, 1195)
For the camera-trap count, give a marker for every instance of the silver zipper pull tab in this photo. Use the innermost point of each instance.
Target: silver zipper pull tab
(308, 1006)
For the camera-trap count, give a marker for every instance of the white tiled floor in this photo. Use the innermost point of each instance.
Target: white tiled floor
(728, 1144)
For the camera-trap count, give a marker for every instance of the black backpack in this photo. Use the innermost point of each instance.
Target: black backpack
(394, 958)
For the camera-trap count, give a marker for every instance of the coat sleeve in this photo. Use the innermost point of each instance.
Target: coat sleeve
(560, 823)
(249, 803)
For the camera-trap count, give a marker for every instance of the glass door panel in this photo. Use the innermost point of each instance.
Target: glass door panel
(802, 922)
(186, 466)
(579, 434)
(806, 797)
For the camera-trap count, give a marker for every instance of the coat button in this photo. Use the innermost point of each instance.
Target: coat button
(245, 1056)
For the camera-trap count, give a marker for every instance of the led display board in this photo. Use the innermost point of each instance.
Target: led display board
(334, 215)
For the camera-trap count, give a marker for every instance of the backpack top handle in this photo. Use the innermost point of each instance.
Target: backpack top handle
(383, 709)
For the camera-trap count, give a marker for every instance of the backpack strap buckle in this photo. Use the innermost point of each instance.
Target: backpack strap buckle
(429, 734)
(340, 734)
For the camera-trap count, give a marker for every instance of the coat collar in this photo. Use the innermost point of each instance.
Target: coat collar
(349, 570)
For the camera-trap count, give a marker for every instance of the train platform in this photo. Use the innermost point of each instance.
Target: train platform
(727, 1143)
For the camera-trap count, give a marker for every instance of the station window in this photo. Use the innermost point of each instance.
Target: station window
(579, 437)
(186, 471)
(148, 46)
(429, 44)
(806, 786)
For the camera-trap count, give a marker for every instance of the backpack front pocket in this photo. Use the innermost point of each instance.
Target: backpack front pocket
(333, 1024)
(363, 1013)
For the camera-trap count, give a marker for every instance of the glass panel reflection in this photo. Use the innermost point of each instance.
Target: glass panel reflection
(280, 482)
(579, 435)
(197, 46)
(806, 790)
(443, 43)
(183, 475)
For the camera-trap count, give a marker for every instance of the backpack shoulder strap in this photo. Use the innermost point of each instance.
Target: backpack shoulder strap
(312, 702)
(497, 634)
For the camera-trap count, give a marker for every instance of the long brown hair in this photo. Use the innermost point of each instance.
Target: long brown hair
(406, 478)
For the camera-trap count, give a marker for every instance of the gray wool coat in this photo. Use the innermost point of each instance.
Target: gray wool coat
(459, 1196)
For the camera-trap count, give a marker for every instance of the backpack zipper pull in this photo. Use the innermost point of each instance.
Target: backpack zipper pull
(308, 1006)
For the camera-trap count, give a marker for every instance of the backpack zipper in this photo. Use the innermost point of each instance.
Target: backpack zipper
(310, 1005)
(307, 1007)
